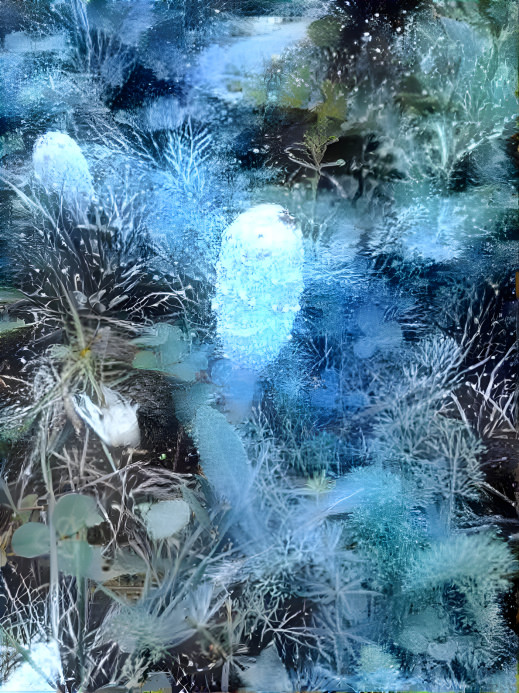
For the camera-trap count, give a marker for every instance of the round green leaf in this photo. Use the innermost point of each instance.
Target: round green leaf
(74, 512)
(223, 457)
(31, 539)
(145, 360)
(188, 369)
(165, 518)
(174, 348)
(75, 557)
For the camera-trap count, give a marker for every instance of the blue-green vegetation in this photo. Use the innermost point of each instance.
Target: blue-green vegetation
(258, 333)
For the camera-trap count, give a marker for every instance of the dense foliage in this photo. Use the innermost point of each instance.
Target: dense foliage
(258, 336)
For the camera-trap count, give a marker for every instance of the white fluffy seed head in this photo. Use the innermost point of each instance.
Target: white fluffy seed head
(259, 281)
(60, 167)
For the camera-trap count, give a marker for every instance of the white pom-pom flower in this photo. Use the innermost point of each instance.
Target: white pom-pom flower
(259, 282)
(115, 422)
(59, 165)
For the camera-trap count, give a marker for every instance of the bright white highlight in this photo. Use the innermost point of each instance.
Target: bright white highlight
(25, 678)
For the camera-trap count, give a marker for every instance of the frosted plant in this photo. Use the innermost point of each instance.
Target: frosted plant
(378, 333)
(427, 226)
(60, 166)
(186, 154)
(346, 533)
(478, 561)
(457, 107)
(203, 604)
(340, 247)
(429, 230)
(379, 669)
(423, 628)
(259, 282)
(29, 63)
(184, 604)
(267, 674)
(137, 628)
(114, 421)
(460, 581)
(222, 454)
(472, 76)
(311, 676)
(438, 455)
(100, 59)
(164, 113)
(435, 364)
(386, 535)
(187, 193)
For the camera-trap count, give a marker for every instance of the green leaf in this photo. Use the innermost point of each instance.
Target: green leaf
(31, 539)
(188, 369)
(334, 105)
(9, 325)
(28, 501)
(168, 348)
(198, 509)
(188, 400)
(297, 90)
(9, 295)
(174, 349)
(74, 512)
(146, 360)
(325, 32)
(223, 457)
(165, 518)
(75, 557)
(5, 494)
(157, 335)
